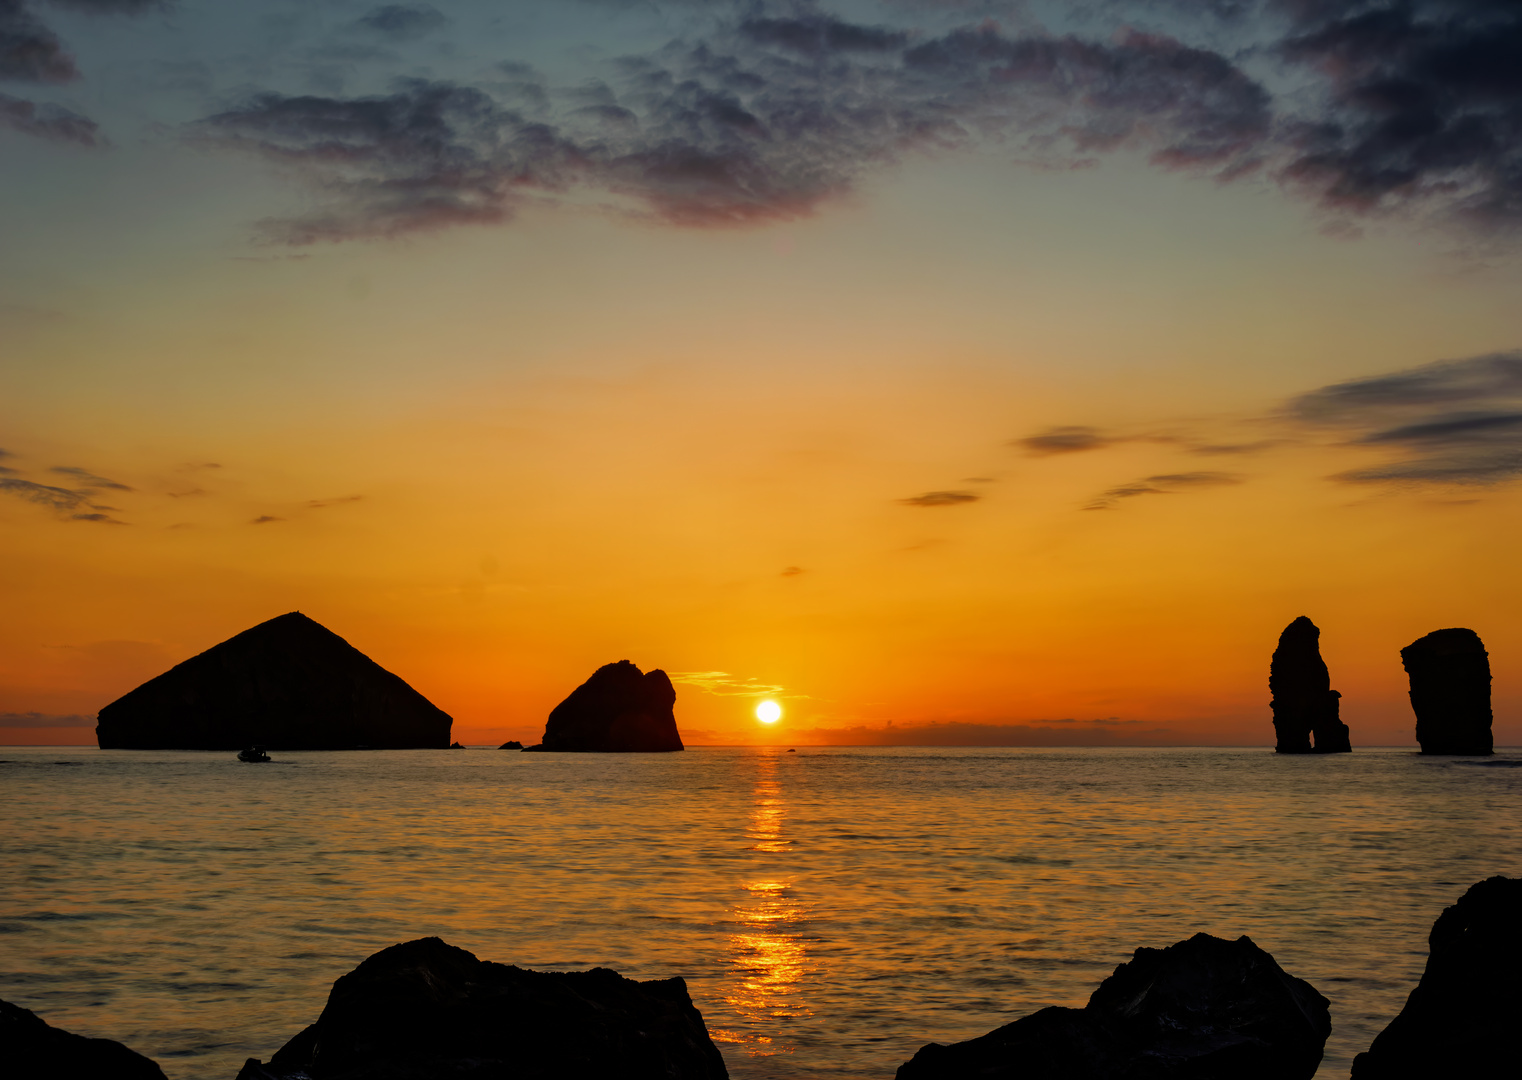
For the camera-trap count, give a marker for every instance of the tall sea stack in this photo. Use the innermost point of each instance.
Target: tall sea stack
(286, 684)
(617, 710)
(1304, 702)
(1450, 692)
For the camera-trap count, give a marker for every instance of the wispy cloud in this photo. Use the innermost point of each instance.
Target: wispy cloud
(1162, 484)
(1454, 421)
(763, 119)
(724, 684)
(43, 494)
(1072, 439)
(1066, 732)
(89, 479)
(403, 22)
(941, 498)
(265, 519)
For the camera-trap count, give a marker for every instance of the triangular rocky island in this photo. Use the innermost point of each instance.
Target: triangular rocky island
(286, 684)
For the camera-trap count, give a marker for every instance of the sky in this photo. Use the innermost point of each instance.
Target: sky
(947, 372)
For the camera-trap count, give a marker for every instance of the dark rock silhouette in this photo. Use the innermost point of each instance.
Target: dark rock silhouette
(1450, 692)
(1465, 1015)
(457, 746)
(286, 684)
(1202, 1009)
(30, 1047)
(1304, 702)
(511, 744)
(617, 710)
(425, 1009)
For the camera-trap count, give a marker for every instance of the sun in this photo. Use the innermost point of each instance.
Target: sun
(768, 712)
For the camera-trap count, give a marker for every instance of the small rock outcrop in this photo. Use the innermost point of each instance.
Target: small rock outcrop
(511, 744)
(1465, 1016)
(425, 1009)
(1304, 703)
(1450, 692)
(617, 710)
(30, 1047)
(1201, 1009)
(286, 684)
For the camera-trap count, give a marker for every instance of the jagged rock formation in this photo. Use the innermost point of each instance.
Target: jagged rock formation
(30, 1047)
(1463, 1017)
(1450, 692)
(511, 744)
(1304, 702)
(617, 710)
(286, 684)
(1201, 1009)
(425, 1009)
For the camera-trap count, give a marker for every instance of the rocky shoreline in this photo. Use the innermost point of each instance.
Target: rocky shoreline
(1201, 1009)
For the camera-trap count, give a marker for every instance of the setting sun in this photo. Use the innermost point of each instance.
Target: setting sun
(768, 712)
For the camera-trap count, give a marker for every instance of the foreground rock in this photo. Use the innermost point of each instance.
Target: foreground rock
(286, 684)
(1464, 1019)
(1203, 1009)
(425, 1009)
(30, 1047)
(1304, 702)
(617, 710)
(1450, 692)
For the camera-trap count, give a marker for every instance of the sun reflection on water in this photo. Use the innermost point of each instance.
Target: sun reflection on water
(768, 952)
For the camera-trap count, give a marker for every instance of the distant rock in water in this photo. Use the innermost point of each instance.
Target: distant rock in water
(511, 744)
(30, 1047)
(425, 1009)
(1304, 702)
(617, 710)
(1202, 1009)
(1464, 1019)
(1450, 692)
(286, 684)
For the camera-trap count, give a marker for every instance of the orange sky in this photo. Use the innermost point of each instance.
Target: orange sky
(494, 458)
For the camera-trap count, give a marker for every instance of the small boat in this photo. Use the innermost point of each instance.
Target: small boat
(253, 753)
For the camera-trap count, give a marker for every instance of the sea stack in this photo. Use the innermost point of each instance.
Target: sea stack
(1304, 702)
(617, 710)
(1450, 692)
(1461, 1020)
(286, 684)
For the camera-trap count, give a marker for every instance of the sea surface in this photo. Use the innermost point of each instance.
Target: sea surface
(832, 910)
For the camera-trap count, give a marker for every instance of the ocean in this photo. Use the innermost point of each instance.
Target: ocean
(831, 909)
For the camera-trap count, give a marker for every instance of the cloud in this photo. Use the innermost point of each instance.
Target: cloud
(318, 504)
(88, 478)
(265, 519)
(1453, 421)
(113, 7)
(1423, 106)
(1163, 484)
(42, 494)
(1068, 732)
(44, 720)
(103, 519)
(791, 571)
(722, 684)
(941, 498)
(47, 121)
(29, 51)
(403, 22)
(1072, 439)
(761, 121)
